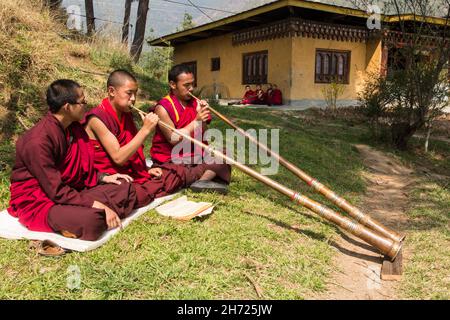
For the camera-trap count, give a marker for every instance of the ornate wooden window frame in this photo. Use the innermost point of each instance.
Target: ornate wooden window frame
(255, 67)
(330, 62)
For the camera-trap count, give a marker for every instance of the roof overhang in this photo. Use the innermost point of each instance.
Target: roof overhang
(280, 10)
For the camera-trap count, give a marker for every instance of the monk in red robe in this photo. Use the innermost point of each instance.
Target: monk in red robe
(118, 144)
(260, 96)
(269, 94)
(276, 97)
(182, 112)
(249, 96)
(54, 186)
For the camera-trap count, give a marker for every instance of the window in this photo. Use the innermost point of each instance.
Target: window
(255, 68)
(215, 64)
(193, 67)
(332, 65)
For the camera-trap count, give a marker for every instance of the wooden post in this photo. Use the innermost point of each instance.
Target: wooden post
(126, 22)
(392, 270)
(90, 18)
(141, 22)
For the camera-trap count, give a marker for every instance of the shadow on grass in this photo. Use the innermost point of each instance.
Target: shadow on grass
(360, 256)
(281, 224)
(322, 238)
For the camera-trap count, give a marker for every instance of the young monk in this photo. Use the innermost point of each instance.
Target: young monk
(118, 144)
(260, 96)
(181, 111)
(277, 97)
(54, 186)
(249, 96)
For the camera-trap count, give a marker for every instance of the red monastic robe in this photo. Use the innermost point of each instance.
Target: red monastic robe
(147, 188)
(52, 166)
(161, 149)
(260, 97)
(277, 97)
(124, 130)
(249, 97)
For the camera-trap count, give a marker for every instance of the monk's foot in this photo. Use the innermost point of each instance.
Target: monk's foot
(209, 186)
(68, 234)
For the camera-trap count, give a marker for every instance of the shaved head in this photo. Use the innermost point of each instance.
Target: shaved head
(118, 78)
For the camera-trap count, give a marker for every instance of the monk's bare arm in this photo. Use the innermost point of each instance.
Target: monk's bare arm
(96, 129)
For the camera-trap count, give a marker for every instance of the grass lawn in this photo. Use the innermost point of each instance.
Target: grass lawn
(255, 238)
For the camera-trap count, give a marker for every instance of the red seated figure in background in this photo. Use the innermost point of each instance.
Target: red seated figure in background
(276, 96)
(249, 96)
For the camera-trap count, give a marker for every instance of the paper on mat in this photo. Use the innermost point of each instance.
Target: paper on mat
(183, 209)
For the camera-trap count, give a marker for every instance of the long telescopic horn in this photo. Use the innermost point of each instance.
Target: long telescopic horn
(357, 214)
(385, 245)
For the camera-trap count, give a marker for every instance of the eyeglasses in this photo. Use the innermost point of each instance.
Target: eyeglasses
(82, 103)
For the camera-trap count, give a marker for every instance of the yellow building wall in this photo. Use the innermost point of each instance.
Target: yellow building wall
(230, 74)
(291, 64)
(374, 51)
(304, 57)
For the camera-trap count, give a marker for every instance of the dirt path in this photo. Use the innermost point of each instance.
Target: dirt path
(359, 264)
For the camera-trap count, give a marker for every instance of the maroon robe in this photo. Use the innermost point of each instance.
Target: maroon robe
(260, 98)
(147, 188)
(249, 97)
(161, 150)
(54, 168)
(277, 97)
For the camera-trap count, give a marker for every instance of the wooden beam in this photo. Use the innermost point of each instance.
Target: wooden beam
(251, 16)
(392, 270)
(225, 28)
(201, 34)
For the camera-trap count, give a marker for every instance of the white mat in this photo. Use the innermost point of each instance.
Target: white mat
(10, 228)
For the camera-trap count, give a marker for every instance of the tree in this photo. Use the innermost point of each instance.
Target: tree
(187, 23)
(90, 18)
(126, 21)
(158, 61)
(417, 81)
(139, 35)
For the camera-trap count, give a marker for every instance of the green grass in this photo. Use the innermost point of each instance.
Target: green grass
(427, 273)
(254, 233)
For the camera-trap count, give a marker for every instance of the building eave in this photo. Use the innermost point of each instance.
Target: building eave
(229, 24)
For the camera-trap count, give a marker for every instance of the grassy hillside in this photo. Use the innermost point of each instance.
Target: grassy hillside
(257, 244)
(36, 48)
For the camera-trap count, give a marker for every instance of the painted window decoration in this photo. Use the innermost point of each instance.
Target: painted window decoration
(332, 65)
(255, 67)
(215, 64)
(192, 65)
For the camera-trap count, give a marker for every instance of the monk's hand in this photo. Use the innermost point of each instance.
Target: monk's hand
(204, 103)
(114, 178)
(203, 113)
(150, 121)
(156, 172)
(112, 219)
